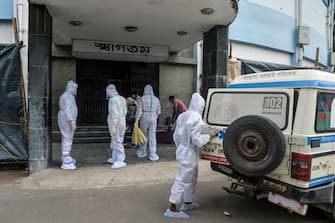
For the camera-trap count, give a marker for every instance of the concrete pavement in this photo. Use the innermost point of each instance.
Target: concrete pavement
(138, 193)
(94, 172)
(140, 204)
(104, 176)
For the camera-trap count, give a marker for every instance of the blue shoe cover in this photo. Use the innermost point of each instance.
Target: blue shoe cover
(68, 159)
(69, 166)
(141, 154)
(154, 157)
(172, 214)
(188, 207)
(118, 165)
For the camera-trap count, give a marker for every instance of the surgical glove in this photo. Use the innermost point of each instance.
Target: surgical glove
(74, 125)
(113, 130)
(213, 132)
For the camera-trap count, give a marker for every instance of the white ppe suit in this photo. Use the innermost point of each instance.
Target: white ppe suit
(117, 110)
(189, 140)
(148, 110)
(67, 117)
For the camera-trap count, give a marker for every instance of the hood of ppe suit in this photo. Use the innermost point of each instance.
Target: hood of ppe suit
(148, 90)
(71, 87)
(197, 103)
(111, 91)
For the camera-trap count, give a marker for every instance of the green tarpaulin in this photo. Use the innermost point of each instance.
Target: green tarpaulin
(12, 143)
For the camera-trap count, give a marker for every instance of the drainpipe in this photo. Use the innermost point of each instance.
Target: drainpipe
(330, 24)
(199, 67)
(300, 47)
(195, 68)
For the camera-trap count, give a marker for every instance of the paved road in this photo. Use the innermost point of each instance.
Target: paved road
(140, 204)
(139, 194)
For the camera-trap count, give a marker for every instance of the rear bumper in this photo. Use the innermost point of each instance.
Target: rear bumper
(315, 195)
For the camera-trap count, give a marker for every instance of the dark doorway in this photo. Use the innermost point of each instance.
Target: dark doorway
(93, 78)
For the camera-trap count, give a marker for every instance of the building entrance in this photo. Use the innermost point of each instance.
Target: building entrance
(93, 78)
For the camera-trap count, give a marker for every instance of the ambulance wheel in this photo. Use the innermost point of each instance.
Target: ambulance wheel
(254, 145)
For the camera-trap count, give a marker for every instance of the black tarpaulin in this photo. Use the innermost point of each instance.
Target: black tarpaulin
(12, 144)
(249, 67)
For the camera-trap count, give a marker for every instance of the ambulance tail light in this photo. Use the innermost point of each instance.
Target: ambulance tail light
(301, 166)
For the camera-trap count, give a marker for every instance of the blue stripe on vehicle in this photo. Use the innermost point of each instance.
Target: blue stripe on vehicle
(321, 180)
(287, 84)
(323, 139)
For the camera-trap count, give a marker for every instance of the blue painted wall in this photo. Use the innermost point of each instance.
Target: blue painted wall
(6, 9)
(317, 40)
(265, 27)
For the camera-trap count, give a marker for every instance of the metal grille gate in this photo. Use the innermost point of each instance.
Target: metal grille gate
(93, 78)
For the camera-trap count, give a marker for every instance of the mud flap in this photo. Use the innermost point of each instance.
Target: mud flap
(290, 204)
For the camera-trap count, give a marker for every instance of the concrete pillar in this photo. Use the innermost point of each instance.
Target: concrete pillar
(39, 100)
(215, 57)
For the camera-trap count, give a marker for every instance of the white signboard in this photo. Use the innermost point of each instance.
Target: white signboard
(91, 49)
(225, 107)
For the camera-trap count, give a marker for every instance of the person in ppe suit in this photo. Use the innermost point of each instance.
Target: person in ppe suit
(67, 117)
(117, 110)
(188, 138)
(148, 110)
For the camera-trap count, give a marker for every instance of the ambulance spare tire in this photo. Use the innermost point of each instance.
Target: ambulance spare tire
(254, 145)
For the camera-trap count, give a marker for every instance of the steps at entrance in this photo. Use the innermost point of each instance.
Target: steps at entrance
(91, 134)
(100, 134)
(88, 134)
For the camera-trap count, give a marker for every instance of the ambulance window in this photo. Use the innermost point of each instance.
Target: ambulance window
(325, 113)
(225, 107)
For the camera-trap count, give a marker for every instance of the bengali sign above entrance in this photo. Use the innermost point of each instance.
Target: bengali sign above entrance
(106, 50)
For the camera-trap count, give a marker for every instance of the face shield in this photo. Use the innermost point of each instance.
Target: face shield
(71, 87)
(111, 91)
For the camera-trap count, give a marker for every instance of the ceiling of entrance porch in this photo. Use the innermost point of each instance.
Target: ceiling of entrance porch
(158, 21)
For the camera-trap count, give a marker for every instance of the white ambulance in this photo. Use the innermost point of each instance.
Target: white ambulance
(277, 137)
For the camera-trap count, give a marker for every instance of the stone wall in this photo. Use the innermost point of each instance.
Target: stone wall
(63, 69)
(177, 80)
